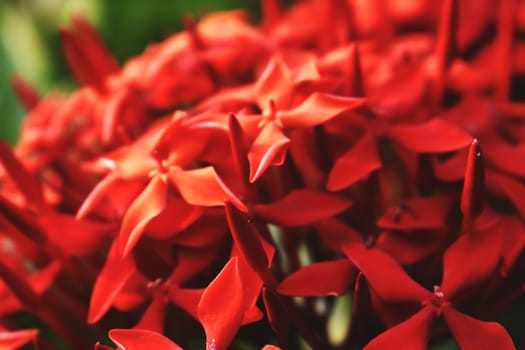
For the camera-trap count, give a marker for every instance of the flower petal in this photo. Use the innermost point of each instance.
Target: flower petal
(209, 229)
(153, 317)
(411, 334)
(417, 214)
(413, 248)
(99, 346)
(73, 236)
(176, 217)
(274, 84)
(97, 194)
(335, 234)
(183, 142)
(18, 284)
(451, 169)
(147, 206)
(39, 282)
(86, 54)
(271, 12)
(513, 243)
(253, 283)
(385, 275)
(271, 347)
(473, 334)
(317, 109)
(308, 157)
(26, 94)
(505, 157)
(239, 147)
(433, 136)
(26, 182)
(319, 279)
(141, 339)
(116, 272)
(355, 164)
(246, 235)
(302, 207)
(11, 340)
(354, 85)
(186, 299)
(473, 257)
(203, 187)
(508, 187)
(278, 318)
(472, 198)
(22, 220)
(269, 148)
(221, 308)
(446, 48)
(228, 99)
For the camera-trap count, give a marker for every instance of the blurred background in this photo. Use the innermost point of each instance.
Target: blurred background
(30, 40)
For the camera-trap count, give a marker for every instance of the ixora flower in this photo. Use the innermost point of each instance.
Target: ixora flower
(345, 174)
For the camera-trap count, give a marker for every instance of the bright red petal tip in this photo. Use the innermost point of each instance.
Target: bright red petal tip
(141, 339)
(221, 308)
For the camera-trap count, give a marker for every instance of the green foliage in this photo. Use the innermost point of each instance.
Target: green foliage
(10, 111)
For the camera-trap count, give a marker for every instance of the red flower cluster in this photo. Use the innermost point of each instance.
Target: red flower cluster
(235, 182)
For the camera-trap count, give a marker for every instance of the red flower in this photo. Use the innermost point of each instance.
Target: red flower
(481, 244)
(414, 331)
(202, 174)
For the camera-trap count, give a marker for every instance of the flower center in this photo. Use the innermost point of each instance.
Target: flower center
(162, 170)
(438, 293)
(438, 300)
(270, 116)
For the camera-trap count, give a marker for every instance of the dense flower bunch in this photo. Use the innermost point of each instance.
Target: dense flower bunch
(360, 161)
